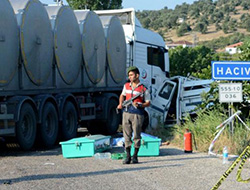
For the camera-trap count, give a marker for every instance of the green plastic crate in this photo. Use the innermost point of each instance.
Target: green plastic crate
(149, 147)
(118, 156)
(85, 146)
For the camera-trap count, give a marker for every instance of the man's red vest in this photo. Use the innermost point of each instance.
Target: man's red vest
(130, 93)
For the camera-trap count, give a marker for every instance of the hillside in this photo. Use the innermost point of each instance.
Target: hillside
(204, 20)
(211, 32)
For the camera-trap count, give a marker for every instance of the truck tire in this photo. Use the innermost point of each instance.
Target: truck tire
(26, 127)
(112, 123)
(69, 121)
(49, 126)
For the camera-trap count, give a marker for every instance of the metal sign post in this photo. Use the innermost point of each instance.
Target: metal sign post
(230, 70)
(229, 93)
(231, 124)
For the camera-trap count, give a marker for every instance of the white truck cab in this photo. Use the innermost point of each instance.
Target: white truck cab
(171, 98)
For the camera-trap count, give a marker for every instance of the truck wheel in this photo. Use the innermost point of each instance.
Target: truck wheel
(69, 121)
(49, 125)
(26, 127)
(113, 120)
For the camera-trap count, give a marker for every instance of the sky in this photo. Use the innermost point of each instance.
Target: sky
(144, 4)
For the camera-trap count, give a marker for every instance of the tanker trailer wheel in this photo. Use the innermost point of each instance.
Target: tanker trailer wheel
(112, 123)
(49, 126)
(26, 127)
(69, 121)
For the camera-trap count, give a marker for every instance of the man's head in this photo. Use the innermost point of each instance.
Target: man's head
(133, 74)
(133, 69)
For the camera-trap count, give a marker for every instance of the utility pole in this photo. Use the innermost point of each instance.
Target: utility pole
(195, 39)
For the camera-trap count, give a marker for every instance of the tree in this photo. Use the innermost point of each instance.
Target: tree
(226, 8)
(244, 16)
(201, 27)
(225, 27)
(179, 61)
(232, 25)
(145, 22)
(184, 27)
(195, 13)
(218, 27)
(245, 51)
(204, 19)
(156, 24)
(227, 19)
(161, 32)
(247, 24)
(95, 4)
(245, 5)
(173, 20)
(235, 11)
(219, 15)
(184, 61)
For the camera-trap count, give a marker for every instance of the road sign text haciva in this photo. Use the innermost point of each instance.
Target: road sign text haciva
(233, 70)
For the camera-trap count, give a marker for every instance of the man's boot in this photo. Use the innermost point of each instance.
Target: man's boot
(135, 158)
(128, 158)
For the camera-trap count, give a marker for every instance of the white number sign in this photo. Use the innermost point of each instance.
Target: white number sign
(230, 92)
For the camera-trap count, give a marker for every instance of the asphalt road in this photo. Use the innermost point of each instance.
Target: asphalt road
(47, 169)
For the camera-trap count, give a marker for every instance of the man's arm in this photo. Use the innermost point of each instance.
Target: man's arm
(143, 105)
(121, 100)
(147, 101)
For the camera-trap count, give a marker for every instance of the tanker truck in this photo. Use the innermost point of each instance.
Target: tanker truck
(61, 69)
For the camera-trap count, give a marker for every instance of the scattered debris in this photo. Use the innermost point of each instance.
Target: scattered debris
(120, 140)
(165, 143)
(49, 163)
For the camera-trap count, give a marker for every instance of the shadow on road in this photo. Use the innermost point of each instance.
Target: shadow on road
(14, 150)
(171, 152)
(11, 148)
(74, 175)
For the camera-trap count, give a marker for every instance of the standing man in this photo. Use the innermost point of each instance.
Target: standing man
(133, 114)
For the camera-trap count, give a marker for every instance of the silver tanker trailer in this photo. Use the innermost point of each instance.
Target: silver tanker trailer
(55, 74)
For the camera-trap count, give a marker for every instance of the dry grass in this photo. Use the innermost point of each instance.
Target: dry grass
(203, 130)
(165, 134)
